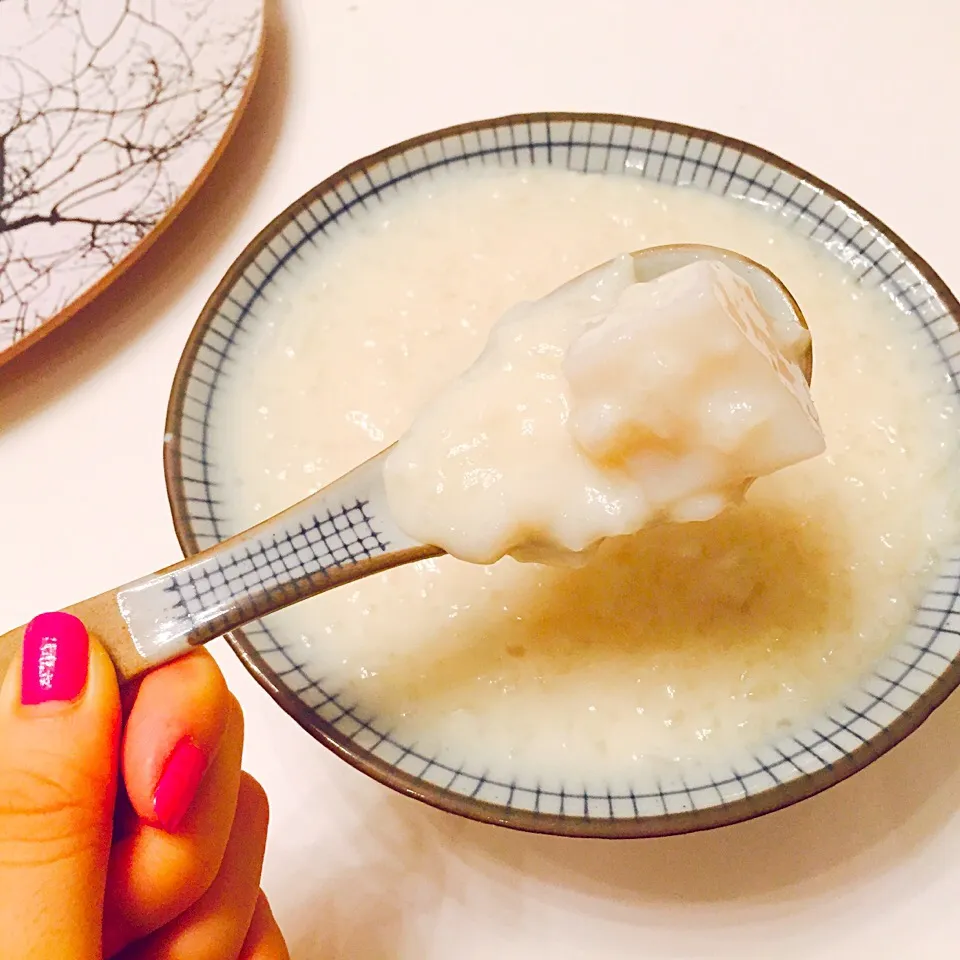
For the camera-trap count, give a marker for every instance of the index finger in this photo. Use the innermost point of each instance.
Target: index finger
(177, 718)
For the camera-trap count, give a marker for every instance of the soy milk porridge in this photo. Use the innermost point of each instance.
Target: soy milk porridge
(688, 642)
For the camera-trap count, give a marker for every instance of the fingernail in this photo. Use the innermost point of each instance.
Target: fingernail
(56, 655)
(178, 783)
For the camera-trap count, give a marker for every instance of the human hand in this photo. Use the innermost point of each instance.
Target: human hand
(126, 830)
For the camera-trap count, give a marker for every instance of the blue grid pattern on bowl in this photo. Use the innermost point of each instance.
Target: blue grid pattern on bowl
(916, 675)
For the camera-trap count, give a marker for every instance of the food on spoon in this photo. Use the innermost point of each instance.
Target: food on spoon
(602, 408)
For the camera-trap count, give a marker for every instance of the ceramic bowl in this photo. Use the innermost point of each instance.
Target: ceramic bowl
(922, 667)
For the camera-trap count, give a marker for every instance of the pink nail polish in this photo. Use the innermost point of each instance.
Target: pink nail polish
(56, 655)
(178, 783)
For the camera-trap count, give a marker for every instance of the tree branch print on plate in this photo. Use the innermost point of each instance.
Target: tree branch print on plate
(111, 112)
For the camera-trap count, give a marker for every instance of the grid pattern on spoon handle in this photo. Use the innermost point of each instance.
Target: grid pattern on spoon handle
(339, 534)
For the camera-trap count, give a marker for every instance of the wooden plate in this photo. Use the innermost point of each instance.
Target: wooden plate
(112, 112)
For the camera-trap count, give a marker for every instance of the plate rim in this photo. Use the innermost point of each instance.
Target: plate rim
(769, 800)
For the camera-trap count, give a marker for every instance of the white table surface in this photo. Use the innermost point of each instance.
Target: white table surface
(861, 92)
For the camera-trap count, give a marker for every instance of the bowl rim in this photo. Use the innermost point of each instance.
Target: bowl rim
(774, 798)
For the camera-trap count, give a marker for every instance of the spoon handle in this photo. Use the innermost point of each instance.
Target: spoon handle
(341, 533)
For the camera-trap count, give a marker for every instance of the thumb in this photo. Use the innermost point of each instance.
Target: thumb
(59, 730)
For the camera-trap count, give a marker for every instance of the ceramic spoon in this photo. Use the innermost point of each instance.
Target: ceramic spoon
(340, 534)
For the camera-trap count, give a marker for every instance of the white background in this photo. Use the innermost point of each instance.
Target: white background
(863, 93)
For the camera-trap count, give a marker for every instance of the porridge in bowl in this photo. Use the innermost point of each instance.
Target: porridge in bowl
(686, 644)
